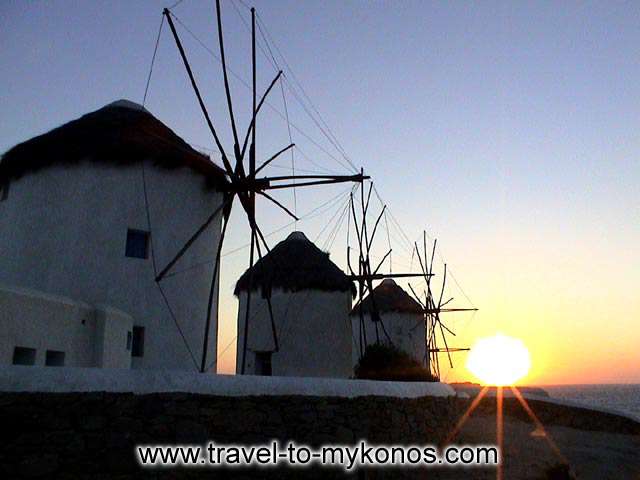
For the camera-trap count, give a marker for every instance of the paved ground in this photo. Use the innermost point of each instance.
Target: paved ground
(591, 454)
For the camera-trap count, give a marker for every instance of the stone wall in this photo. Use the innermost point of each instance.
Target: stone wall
(80, 435)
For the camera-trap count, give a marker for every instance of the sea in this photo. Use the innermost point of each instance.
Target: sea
(623, 398)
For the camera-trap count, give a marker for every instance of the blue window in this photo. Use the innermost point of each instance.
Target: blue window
(137, 244)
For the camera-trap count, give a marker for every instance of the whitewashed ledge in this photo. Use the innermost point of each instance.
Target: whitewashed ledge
(66, 379)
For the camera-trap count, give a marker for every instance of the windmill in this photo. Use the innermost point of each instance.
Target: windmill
(244, 184)
(365, 275)
(432, 311)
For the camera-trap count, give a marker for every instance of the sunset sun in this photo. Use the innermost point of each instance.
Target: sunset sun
(499, 360)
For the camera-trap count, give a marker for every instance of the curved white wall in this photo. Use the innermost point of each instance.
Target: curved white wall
(63, 231)
(313, 329)
(406, 331)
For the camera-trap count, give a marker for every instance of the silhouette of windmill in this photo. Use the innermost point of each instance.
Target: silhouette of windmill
(365, 275)
(244, 184)
(432, 311)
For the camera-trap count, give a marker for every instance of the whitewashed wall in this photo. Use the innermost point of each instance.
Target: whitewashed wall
(112, 329)
(88, 336)
(313, 331)
(406, 331)
(63, 231)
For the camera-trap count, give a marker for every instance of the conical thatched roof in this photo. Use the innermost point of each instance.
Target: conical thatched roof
(389, 297)
(295, 264)
(121, 133)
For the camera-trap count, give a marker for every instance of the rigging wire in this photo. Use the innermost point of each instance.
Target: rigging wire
(283, 328)
(309, 215)
(148, 213)
(269, 104)
(153, 60)
(328, 133)
(175, 4)
(155, 269)
(386, 225)
(293, 161)
(268, 40)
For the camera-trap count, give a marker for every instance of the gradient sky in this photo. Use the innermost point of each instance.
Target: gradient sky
(508, 130)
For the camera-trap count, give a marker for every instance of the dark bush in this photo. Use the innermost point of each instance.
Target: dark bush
(387, 362)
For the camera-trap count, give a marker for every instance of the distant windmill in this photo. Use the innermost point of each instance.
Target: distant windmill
(432, 311)
(244, 185)
(365, 275)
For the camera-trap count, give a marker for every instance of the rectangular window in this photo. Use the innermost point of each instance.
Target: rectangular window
(4, 191)
(24, 356)
(54, 358)
(137, 244)
(263, 363)
(129, 340)
(137, 345)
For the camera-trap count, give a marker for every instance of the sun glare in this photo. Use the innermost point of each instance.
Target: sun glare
(499, 360)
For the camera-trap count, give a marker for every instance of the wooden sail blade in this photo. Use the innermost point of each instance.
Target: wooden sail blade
(309, 184)
(227, 89)
(375, 226)
(444, 339)
(349, 260)
(445, 303)
(343, 178)
(273, 157)
(450, 310)
(193, 238)
(248, 309)
(258, 107)
(433, 253)
(451, 350)
(269, 197)
(415, 295)
(274, 333)
(212, 290)
(422, 265)
(366, 205)
(444, 282)
(382, 261)
(382, 276)
(252, 150)
(444, 326)
(225, 160)
(355, 224)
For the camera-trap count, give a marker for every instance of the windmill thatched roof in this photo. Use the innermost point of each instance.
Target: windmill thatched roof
(295, 264)
(120, 133)
(389, 297)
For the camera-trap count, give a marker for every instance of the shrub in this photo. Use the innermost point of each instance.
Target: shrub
(387, 362)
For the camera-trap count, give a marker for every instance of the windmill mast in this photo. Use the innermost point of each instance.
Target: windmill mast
(432, 311)
(366, 275)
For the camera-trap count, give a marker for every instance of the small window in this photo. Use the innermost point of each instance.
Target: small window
(263, 363)
(137, 345)
(129, 340)
(4, 191)
(137, 244)
(24, 356)
(54, 358)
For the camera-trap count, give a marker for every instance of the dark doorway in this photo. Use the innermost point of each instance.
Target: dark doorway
(263, 363)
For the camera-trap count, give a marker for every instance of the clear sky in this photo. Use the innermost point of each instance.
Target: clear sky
(509, 130)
